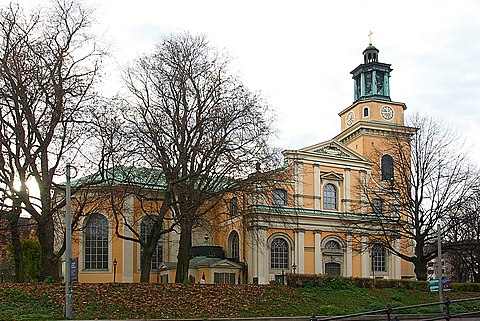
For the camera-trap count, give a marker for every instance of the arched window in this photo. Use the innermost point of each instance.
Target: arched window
(234, 245)
(387, 167)
(366, 112)
(279, 197)
(329, 197)
(379, 258)
(96, 243)
(279, 254)
(332, 245)
(145, 230)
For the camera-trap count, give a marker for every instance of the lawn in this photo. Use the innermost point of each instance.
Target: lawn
(44, 301)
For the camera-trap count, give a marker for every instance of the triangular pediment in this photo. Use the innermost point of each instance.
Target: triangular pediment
(333, 148)
(332, 176)
(225, 264)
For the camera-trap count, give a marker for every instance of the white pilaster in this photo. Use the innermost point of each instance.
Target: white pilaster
(348, 259)
(127, 246)
(363, 197)
(300, 250)
(262, 256)
(316, 186)
(299, 183)
(347, 187)
(252, 255)
(365, 257)
(318, 252)
(174, 243)
(396, 262)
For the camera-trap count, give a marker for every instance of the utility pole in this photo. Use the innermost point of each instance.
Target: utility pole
(68, 250)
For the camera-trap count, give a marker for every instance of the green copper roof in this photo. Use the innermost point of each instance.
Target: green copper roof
(370, 47)
(126, 175)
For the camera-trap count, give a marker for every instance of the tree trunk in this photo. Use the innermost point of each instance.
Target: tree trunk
(17, 246)
(420, 264)
(45, 235)
(146, 263)
(183, 257)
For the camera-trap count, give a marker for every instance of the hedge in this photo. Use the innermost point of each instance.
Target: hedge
(313, 280)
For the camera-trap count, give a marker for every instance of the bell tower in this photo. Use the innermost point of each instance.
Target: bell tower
(371, 79)
(373, 115)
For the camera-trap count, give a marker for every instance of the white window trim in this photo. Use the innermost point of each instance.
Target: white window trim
(227, 246)
(337, 187)
(290, 252)
(363, 112)
(81, 248)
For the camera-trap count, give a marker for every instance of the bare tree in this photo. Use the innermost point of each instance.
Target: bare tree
(48, 66)
(463, 241)
(426, 182)
(194, 121)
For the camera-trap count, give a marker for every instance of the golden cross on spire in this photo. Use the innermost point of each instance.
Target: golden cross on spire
(370, 35)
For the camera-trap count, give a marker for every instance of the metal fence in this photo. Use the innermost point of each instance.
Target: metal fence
(391, 313)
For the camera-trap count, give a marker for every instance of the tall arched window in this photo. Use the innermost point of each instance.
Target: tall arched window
(145, 229)
(379, 258)
(96, 243)
(387, 167)
(234, 245)
(279, 254)
(329, 197)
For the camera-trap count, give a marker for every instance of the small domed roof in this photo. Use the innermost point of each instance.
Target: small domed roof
(370, 54)
(370, 47)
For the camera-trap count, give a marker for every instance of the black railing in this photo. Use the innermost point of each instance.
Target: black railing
(390, 312)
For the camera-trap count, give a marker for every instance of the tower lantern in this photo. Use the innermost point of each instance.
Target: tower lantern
(371, 79)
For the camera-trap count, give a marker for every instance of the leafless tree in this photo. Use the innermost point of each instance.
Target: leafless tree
(430, 177)
(48, 66)
(463, 241)
(194, 121)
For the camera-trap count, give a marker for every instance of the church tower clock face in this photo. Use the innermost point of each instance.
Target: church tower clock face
(387, 112)
(350, 118)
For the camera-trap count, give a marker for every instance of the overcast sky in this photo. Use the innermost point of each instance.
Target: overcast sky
(299, 54)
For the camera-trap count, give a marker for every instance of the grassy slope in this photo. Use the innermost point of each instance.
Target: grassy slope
(119, 301)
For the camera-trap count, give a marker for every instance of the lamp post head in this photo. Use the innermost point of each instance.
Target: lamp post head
(115, 262)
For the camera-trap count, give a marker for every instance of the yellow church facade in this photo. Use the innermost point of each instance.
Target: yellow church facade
(303, 225)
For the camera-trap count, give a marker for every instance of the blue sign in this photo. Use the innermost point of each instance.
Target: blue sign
(446, 285)
(74, 270)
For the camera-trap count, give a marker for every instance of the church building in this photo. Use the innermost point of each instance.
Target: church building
(302, 226)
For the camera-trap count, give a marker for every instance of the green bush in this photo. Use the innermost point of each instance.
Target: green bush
(466, 287)
(32, 258)
(337, 282)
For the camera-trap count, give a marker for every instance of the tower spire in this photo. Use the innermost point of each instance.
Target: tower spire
(370, 35)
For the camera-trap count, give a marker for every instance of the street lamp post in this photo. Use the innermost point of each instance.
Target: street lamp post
(114, 270)
(440, 265)
(68, 248)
